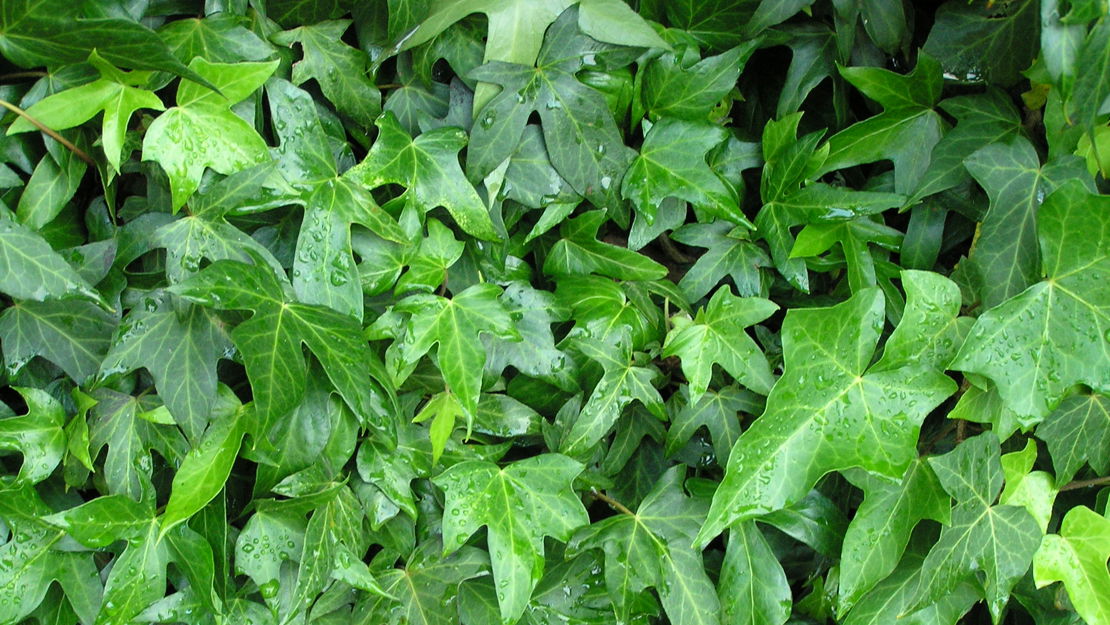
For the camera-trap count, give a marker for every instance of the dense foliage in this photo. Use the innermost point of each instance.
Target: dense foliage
(553, 311)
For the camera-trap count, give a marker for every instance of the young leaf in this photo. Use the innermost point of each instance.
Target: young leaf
(519, 505)
(826, 412)
(203, 472)
(1077, 557)
(579, 252)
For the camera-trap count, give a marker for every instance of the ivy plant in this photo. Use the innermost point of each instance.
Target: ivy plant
(554, 312)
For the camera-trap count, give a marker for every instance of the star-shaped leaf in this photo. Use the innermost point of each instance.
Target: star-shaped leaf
(31, 269)
(202, 132)
(719, 411)
(219, 37)
(827, 412)
(1038, 344)
(37, 435)
(651, 548)
(270, 342)
(674, 88)
(117, 423)
(114, 94)
(998, 541)
(179, 346)
(340, 70)
(455, 324)
(716, 335)
(621, 383)
(672, 163)
(429, 167)
(728, 253)
(581, 135)
(1077, 557)
(519, 505)
(1078, 431)
(579, 252)
(72, 334)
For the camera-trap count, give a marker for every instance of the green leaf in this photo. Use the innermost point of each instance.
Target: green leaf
(52, 185)
(719, 412)
(203, 472)
(104, 520)
(881, 527)
(428, 166)
(579, 252)
(270, 342)
(37, 435)
(716, 335)
(690, 91)
(728, 253)
(30, 269)
(753, 587)
(583, 142)
(392, 470)
(519, 505)
(651, 548)
(1077, 432)
(220, 38)
(179, 345)
(827, 412)
(442, 409)
(997, 541)
(118, 425)
(455, 324)
(1077, 557)
(340, 70)
(202, 132)
(980, 42)
(671, 163)
(422, 588)
(1032, 358)
(532, 312)
(72, 334)
(931, 330)
(621, 383)
(137, 580)
(1005, 257)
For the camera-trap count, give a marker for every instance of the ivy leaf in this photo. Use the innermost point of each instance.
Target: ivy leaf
(202, 132)
(998, 541)
(455, 324)
(179, 346)
(519, 505)
(533, 312)
(673, 88)
(137, 580)
(981, 42)
(1076, 432)
(1032, 358)
(118, 424)
(728, 253)
(104, 520)
(621, 383)
(72, 334)
(1005, 257)
(203, 472)
(114, 94)
(30, 269)
(270, 342)
(582, 139)
(392, 470)
(579, 252)
(601, 309)
(753, 587)
(716, 410)
(827, 412)
(428, 166)
(1077, 557)
(651, 547)
(671, 163)
(442, 409)
(424, 586)
(716, 335)
(340, 70)
(931, 330)
(220, 37)
(881, 527)
(37, 435)
(904, 133)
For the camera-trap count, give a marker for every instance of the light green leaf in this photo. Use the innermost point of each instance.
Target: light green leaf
(340, 70)
(37, 435)
(716, 335)
(203, 472)
(1077, 557)
(30, 269)
(392, 470)
(652, 548)
(671, 163)
(72, 334)
(1036, 345)
(202, 132)
(137, 579)
(827, 412)
(428, 166)
(621, 383)
(442, 409)
(519, 505)
(533, 311)
(753, 588)
(455, 324)
(931, 330)
(1033, 490)
(579, 252)
(102, 521)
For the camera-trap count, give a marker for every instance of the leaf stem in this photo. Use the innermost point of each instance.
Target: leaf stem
(1077, 484)
(613, 503)
(18, 75)
(52, 133)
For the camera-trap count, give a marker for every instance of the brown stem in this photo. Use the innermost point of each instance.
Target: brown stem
(1077, 484)
(961, 431)
(673, 252)
(53, 134)
(613, 503)
(18, 75)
